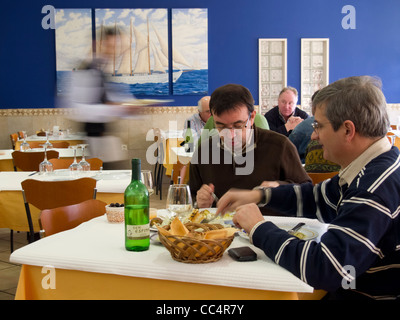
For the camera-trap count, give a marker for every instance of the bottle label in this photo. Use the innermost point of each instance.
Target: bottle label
(138, 232)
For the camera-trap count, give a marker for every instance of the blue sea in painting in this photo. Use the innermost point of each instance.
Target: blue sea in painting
(193, 82)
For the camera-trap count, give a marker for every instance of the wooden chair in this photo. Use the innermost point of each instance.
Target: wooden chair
(53, 194)
(95, 163)
(318, 177)
(29, 161)
(56, 144)
(14, 139)
(59, 219)
(180, 171)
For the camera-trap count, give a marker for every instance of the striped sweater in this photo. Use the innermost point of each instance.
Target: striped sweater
(363, 236)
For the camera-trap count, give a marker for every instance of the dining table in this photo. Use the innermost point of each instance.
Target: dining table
(90, 262)
(110, 186)
(6, 160)
(71, 138)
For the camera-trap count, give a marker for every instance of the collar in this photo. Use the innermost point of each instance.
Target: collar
(348, 174)
(282, 117)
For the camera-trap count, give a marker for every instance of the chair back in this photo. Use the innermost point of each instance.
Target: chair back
(59, 219)
(14, 139)
(29, 161)
(56, 144)
(52, 194)
(95, 163)
(318, 177)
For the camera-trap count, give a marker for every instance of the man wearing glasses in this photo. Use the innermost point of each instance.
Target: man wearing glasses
(361, 204)
(241, 155)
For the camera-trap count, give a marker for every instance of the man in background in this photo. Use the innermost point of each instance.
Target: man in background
(285, 116)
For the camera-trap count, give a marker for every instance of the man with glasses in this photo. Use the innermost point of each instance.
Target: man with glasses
(361, 204)
(241, 155)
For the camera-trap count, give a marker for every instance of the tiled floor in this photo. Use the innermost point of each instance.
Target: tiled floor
(9, 272)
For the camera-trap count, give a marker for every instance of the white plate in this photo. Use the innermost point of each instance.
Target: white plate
(308, 232)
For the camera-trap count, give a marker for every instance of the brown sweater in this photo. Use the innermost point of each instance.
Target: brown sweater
(275, 158)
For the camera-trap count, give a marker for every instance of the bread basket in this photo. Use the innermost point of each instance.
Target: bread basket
(191, 250)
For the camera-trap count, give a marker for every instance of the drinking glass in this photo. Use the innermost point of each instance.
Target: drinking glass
(45, 166)
(147, 180)
(84, 164)
(179, 200)
(24, 145)
(75, 167)
(47, 144)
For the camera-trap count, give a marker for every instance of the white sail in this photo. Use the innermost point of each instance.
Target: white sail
(142, 63)
(163, 44)
(158, 66)
(178, 58)
(125, 66)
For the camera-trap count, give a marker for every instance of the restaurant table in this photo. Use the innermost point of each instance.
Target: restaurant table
(72, 139)
(182, 156)
(6, 161)
(90, 262)
(110, 186)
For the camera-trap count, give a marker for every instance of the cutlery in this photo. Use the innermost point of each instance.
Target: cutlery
(296, 228)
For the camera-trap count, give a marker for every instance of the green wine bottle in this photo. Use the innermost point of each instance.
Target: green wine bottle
(137, 226)
(189, 144)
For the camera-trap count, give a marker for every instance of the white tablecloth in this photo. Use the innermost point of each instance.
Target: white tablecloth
(108, 181)
(98, 246)
(6, 154)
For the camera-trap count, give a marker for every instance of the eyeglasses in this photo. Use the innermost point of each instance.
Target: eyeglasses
(317, 126)
(240, 125)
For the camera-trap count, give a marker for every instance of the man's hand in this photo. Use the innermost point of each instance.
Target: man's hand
(204, 196)
(292, 123)
(235, 198)
(247, 216)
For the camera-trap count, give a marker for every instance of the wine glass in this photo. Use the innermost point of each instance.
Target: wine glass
(179, 200)
(84, 164)
(75, 167)
(24, 145)
(47, 144)
(147, 180)
(45, 166)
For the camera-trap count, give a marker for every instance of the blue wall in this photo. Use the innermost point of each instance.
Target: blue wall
(27, 52)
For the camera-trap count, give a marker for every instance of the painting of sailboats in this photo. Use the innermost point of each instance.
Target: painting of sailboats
(73, 43)
(140, 60)
(190, 51)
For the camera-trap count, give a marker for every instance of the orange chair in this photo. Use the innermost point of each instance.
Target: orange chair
(29, 161)
(14, 139)
(95, 163)
(55, 220)
(56, 144)
(318, 177)
(53, 194)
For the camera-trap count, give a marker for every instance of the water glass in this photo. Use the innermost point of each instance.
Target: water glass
(147, 180)
(179, 200)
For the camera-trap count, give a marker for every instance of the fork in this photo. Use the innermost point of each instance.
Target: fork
(296, 228)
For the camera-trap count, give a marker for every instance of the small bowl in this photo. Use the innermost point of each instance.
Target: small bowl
(115, 214)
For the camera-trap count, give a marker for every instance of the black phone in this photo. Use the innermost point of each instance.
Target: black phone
(242, 254)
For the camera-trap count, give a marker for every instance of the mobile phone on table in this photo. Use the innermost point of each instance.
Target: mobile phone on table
(242, 254)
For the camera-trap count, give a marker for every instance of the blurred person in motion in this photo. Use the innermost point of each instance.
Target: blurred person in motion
(285, 116)
(358, 257)
(98, 103)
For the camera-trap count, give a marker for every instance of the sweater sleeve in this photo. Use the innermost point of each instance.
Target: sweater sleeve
(352, 239)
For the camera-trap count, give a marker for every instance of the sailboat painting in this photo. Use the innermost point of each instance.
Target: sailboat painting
(73, 43)
(140, 63)
(190, 51)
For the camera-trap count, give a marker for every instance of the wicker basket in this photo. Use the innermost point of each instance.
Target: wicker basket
(192, 250)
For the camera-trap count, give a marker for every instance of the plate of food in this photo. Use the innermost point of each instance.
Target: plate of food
(305, 233)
